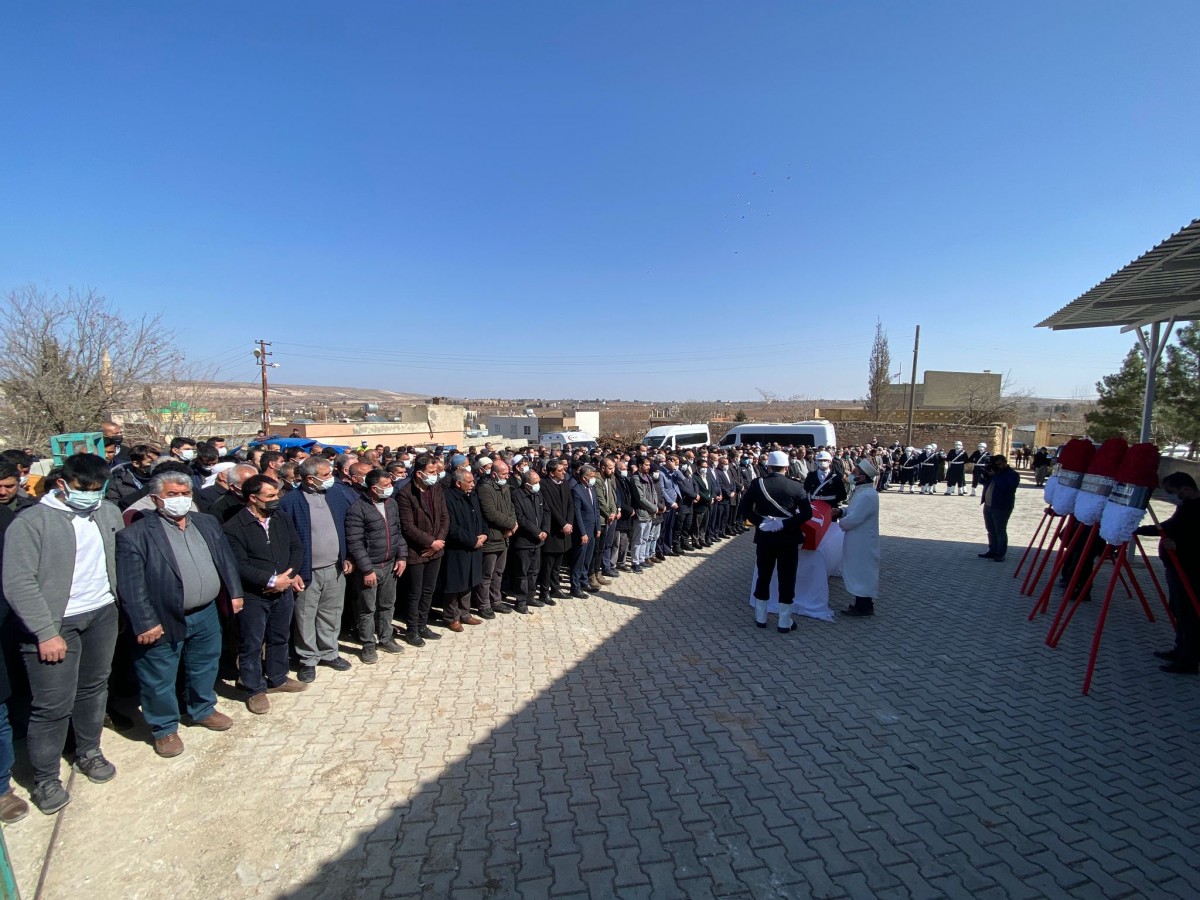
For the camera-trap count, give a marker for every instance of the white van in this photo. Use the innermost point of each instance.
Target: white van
(814, 433)
(677, 437)
(569, 440)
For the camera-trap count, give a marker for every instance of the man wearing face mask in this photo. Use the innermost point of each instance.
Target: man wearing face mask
(183, 449)
(377, 548)
(860, 547)
(129, 481)
(269, 553)
(60, 580)
(533, 527)
(425, 523)
(823, 484)
(587, 528)
(495, 500)
(705, 491)
(114, 436)
(170, 569)
(319, 517)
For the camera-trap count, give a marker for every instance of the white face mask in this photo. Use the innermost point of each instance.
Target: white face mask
(221, 451)
(187, 455)
(591, 482)
(176, 507)
(431, 479)
(386, 492)
(326, 484)
(534, 488)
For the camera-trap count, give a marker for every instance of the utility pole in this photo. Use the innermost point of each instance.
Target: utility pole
(912, 388)
(261, 353)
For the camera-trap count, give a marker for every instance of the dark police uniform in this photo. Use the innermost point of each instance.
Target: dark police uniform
(772, 497)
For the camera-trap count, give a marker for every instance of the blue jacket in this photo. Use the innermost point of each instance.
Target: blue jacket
(1004, 488)
(587, 511)
(295, 507)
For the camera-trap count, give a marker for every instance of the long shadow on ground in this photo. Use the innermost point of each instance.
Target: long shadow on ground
(939, 749)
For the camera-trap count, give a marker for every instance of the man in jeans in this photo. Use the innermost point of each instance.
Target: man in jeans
(170, 569)
(319, 517)
(60, 579)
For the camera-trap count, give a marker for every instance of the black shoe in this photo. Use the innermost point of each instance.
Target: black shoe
(764, 624)
(535, 603)
(369, 655)
(97, 769)
(988, 555)
(49, 796)
(1181, 668)
(429, 635)
(502, 608)
(340, 664)
(557, 594)
(1168, 655)
(390, 646)
(611, 573)
(791, 627)
(523, 609)
(637, 570)
(486, 614)
(855, 612)
(414, 639)
(549, 601)
(997, 559)
(578, 594)
(307, 674)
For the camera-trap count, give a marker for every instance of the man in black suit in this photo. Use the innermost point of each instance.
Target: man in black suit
(170, 569)
(556, 495)
(269, 555)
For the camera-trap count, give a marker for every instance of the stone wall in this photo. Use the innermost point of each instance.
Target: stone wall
(850, 434)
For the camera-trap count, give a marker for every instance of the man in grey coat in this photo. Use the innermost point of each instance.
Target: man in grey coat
(60, 580)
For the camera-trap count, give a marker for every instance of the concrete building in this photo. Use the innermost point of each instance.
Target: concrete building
(523, 427)
(950, 390)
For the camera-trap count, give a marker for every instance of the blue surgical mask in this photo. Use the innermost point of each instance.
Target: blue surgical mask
(84, 501)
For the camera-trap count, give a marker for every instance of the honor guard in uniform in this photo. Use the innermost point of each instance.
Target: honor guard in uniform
(980, 460)
(778, 506)
(927, 469)
(956, 470)
(907, 469)
(823, 483)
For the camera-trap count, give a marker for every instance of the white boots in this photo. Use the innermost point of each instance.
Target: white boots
(760, 612)
(785, 618)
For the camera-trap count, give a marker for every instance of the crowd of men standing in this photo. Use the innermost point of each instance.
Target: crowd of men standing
(161, 569)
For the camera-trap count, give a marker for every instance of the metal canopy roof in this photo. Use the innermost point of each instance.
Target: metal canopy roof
(1161, 285)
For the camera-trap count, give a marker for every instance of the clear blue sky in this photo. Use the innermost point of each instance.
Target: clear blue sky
(657, 200)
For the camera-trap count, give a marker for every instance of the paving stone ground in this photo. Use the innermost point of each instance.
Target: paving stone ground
(651, 742)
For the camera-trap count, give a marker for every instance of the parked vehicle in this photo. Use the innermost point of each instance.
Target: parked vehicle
(569, 440)
(813, 433)
(677, 437)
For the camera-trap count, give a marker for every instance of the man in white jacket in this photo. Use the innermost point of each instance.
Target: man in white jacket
(860, 546)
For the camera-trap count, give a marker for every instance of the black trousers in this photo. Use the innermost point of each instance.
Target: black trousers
(548, 577)
(700, 523)
(1187, 625)
(422, 580)
(956, 476)
(265, 621)
(525, 572)
(773, 553)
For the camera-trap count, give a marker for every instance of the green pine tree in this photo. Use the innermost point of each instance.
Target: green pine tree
(1180, 393)
(1118, 410)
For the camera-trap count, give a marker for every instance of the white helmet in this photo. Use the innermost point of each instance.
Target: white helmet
(958, 445)
(824, 456)
(929, 448)
(933, 446)
(982, 446)
(910, 449)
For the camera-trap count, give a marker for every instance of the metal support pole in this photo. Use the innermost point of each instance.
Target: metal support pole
(912, 388)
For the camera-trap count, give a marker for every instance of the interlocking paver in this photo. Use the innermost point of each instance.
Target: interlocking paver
(650, 742)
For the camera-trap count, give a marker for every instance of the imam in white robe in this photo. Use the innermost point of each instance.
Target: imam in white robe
(860, 544)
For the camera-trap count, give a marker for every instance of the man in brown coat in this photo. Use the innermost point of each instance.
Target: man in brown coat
(425, 524)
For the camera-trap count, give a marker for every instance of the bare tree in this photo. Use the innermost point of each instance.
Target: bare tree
(182, 404)
(880, 399)
(696, 411)
(68, 362)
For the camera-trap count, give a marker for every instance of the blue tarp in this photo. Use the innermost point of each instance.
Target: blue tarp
(304, 443)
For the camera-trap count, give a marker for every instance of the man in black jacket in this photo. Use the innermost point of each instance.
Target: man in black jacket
(556, 494)
(379, 552)
(533, 527)
(269, 554)
(170, 569)
(1179, 545)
